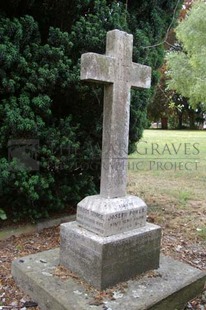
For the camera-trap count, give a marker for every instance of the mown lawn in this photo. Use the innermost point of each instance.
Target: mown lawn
(168, 171)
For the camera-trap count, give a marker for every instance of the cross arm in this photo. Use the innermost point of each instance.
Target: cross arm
(97, 68)
(140, 76)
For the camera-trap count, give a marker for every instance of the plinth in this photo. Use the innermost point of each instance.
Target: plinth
(110, 242)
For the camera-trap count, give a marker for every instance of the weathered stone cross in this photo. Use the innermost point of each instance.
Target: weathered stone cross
(110, 241)
(117, 71)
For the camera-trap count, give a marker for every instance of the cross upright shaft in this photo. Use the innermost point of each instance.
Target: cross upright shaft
(117, 71)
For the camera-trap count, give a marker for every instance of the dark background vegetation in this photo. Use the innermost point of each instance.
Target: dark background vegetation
(41, 96)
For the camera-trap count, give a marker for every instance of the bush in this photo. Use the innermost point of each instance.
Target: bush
(30, 75)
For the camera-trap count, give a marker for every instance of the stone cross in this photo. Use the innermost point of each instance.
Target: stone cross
(110, 241)
(117, 71)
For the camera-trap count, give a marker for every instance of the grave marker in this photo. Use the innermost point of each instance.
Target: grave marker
(110, 240)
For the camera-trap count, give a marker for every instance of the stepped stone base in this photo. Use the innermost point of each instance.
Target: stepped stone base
(170, 287)
(105, 261)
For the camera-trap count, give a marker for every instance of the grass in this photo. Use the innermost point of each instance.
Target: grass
(175, 153)
(168, 171)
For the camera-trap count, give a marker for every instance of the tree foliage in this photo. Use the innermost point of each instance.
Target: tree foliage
(187, 68)
(42, 98)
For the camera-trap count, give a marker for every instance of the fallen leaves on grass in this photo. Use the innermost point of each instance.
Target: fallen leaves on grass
(10, 295)
(174, 244)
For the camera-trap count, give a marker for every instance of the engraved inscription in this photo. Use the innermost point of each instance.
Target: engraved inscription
(114, 222)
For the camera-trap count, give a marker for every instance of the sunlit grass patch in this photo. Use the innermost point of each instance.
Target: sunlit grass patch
(168, 171)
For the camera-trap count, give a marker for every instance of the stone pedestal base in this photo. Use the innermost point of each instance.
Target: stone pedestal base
(105, 261)
(175, 284)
